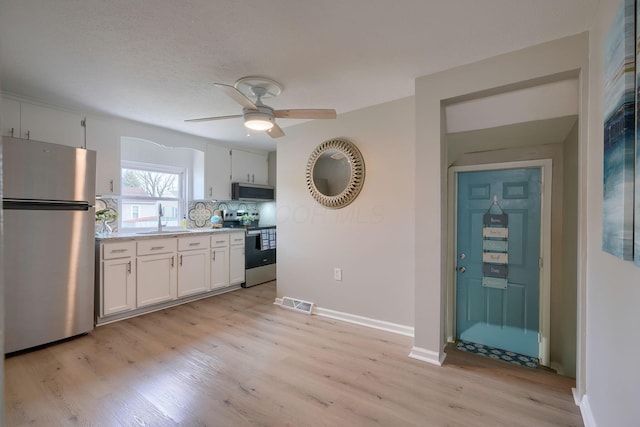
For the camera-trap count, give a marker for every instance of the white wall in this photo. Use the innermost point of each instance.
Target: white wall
(541, 102)
(191, 160)
(372, 239)
(613, 285)
(104, 134)
(565, 337)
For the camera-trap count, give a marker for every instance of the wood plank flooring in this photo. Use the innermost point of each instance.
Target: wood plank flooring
(238, 360)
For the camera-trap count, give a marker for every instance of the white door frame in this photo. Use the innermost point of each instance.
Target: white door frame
(545, 246)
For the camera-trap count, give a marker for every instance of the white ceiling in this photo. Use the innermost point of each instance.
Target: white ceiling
(155, 61)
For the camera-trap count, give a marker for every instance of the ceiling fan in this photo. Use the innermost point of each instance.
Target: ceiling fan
(258, 116)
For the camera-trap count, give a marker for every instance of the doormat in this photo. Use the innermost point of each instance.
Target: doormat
(498, 354)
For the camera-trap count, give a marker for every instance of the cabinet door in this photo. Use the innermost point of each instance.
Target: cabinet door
(193, 272)
(118, 286)
(50, 125)
(157, 279)
(219, 267)
(217, 165)
(249, 167)
(103, 138)
(236, 265)
(10, 117)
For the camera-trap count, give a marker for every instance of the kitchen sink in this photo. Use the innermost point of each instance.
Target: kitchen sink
(166, 232)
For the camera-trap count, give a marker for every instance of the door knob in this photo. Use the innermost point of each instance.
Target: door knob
(461, 269)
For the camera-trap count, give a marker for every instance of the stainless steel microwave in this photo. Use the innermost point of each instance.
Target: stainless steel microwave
(256, 192)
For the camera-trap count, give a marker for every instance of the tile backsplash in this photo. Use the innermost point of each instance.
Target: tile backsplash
(199, 212)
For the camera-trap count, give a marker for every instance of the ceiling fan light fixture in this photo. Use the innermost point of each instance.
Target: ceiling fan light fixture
(258, 121)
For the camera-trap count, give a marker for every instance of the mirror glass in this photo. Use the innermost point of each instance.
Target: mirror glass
(331, 173)
(335, 173)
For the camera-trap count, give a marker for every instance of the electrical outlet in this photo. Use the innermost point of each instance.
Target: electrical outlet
(337, 274)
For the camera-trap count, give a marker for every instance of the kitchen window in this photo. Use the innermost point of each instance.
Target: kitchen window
(144, 186)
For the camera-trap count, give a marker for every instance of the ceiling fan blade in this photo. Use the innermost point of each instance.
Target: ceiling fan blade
(275, 131)
(208, 119)
(236, 95)
(305, 114)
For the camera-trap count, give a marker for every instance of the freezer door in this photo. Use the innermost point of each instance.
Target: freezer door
(48, 275)
(45, 171)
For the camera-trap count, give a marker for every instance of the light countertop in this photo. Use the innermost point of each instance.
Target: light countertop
(167, 233)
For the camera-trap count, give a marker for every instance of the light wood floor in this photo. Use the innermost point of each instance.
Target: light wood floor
(236, 360)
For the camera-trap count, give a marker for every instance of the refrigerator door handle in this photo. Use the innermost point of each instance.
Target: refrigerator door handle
(44, 205)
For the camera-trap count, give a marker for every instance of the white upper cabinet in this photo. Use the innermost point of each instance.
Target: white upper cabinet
(50, 125)
(10, 117)
(217, 164)
(249, 167)
(31, 121)
(102, 137)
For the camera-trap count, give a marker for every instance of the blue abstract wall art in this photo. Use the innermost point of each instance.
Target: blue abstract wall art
(619, 134)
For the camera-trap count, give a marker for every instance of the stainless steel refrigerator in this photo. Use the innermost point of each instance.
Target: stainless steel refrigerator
(48, 228)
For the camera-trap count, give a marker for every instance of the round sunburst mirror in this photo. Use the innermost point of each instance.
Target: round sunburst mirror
(335, 173)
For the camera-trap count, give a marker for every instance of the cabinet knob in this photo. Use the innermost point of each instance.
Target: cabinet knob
(461, 269)
(12, 130)
(28, 134)
(111, 185)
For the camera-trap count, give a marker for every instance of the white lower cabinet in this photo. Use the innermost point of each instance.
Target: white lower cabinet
(219, 261)
(157, 279)
(118, 278)
(157, 275)
(135, 275)
(193, 265)
(236, 258)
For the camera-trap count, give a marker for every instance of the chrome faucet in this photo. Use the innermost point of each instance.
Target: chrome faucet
(160, 215)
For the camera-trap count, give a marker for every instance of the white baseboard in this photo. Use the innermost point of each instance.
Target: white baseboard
(360, 320)
(365, 321)
(558, 368)
(576, 396)
(428, 356)
(417, 353)
(585, 409)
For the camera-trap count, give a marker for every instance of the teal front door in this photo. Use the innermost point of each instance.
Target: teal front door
(498, 270)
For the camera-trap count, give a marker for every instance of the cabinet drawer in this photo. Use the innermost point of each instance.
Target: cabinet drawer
(118, 250)
(156, 246)
(237, 239)
(219, 240)
(191, 243)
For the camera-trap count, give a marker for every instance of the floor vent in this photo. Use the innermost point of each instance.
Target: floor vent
(297, 305)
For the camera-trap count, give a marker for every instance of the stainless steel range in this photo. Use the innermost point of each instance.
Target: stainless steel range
(260, 255)
(260, 246)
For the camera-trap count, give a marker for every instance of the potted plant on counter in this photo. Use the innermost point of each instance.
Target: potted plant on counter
(103, 216)
(247, 220)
